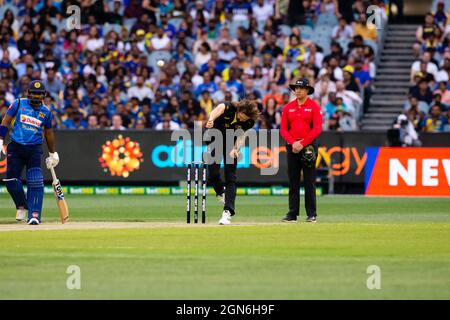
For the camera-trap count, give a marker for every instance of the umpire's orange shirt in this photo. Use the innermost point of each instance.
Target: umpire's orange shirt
(301, 122)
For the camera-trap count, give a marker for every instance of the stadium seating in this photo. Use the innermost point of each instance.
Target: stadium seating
(327, 20)
(306, 32)
(176, 22)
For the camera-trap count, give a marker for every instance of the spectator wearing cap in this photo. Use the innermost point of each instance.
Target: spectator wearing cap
(199, 10)
(408, 136)
(349, 79)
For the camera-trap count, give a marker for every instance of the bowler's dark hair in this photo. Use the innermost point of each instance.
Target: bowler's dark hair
(248, 107)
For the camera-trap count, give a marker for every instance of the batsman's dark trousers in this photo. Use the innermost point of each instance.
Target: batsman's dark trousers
(29, 156)
(21, 156)
(295, 167)
(214, 179)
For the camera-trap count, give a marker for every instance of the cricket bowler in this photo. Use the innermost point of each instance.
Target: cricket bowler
(31, 120)
(230, 115)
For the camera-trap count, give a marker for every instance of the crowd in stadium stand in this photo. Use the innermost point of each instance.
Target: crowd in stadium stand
(428, 105)
(164, 64)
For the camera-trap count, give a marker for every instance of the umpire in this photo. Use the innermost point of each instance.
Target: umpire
(301, 124)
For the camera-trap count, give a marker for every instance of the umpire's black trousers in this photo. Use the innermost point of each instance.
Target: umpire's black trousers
(295, 167)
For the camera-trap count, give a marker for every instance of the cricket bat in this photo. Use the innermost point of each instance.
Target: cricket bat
(60, 201)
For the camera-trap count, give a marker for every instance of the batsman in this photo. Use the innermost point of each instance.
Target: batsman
(31, 121)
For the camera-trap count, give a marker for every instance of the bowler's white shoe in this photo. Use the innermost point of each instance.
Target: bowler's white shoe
(21, 214)
(226, 218)
(221, 198)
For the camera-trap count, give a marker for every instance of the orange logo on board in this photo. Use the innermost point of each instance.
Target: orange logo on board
(121, 156)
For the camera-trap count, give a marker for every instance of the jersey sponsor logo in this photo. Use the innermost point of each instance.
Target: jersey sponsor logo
(308, 110)
(41, 115)
(30, 121)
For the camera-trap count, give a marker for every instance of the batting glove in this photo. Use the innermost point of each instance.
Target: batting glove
(52, 160)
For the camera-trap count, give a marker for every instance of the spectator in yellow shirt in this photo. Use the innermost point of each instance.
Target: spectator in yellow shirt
(366, 30)
(206, 102)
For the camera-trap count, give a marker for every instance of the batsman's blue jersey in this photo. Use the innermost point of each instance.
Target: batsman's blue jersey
(28, 122)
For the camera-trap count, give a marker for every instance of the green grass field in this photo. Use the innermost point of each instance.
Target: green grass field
(257, 258)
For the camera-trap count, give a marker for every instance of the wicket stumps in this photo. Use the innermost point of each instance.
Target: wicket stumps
(196, 166)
